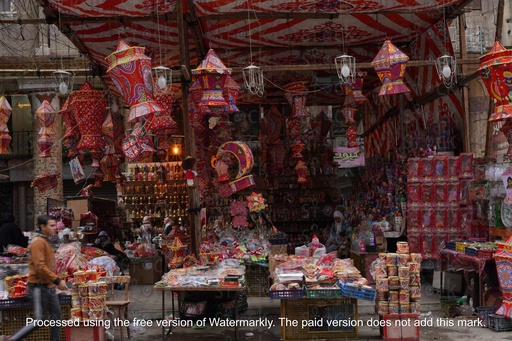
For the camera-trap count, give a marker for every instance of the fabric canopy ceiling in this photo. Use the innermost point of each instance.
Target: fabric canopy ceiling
(268, 33)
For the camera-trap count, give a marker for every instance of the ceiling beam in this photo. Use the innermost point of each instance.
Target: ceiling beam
(440, 91)
(193, 22)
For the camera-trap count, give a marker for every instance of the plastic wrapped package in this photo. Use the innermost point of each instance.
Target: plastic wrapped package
(427, 170)
(107, 263)
(413, 170)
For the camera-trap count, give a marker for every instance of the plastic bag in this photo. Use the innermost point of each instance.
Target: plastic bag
(107, 263)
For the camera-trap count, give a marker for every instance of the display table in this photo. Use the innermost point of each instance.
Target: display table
(14, 312)
(211, 289)
(363, 262)
(485, 268)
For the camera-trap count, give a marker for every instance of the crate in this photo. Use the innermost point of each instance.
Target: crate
(348, 290)
(305, 310)
(25, 302)
(483, 314)
(397, 331)
(499, 323)
(461, 247)
(470, 251)
(323, 293)
(286, 294)
(257, 280)
(14, 318)
(450, 245)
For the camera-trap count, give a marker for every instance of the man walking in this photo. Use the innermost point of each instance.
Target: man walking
(42, 280)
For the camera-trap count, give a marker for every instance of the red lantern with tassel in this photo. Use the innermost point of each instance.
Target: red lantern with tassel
(296, 94)
(72, 134)
(5, 110)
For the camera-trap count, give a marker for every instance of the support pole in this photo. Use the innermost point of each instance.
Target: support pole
(190, 145)
(490, 125)
(466, 144)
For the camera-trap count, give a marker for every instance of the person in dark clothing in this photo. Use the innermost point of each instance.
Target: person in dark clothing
(10, 233)
(103, 242)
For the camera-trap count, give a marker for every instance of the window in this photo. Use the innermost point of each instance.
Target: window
(6, 8)
(475, 5)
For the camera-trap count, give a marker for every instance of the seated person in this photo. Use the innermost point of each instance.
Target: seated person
(103, 242)
(339, 233)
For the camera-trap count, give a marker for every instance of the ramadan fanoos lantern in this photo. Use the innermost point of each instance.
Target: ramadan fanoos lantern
(296, 94)
(72, 134)
(503, 260)
(46, 118)
(89, 107)
(110, 162)
(243, 154)
(496, 73)
(130, 71)
(357, 88)
(208, 87)
(5, 114)
(390, 64)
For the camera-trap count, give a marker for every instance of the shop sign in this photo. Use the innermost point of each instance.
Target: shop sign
(349, 157)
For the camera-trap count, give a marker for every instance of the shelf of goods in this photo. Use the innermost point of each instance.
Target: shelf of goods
(156, 190)
(438, 205)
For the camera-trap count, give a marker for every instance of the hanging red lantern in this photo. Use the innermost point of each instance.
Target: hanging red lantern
(495, 70)
(5, 114)
(46, 118)
(357, 88)
(209, 80)
(231, 93)
(72, 134)
(5, 139)
(349, 114)
(46, 182)
(89, 108)
(137, 146)
(98, 178)
(296, 95)
(130, 71)
(164, 122)
(390, 64)
(5, 110)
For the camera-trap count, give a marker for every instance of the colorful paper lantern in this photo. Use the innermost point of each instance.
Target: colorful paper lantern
(164, 122)
(89, 108)
(496, 73)
(46, 118)
(209, 80)
(302, 171)
(390, 64)
(5, 139)
(130, 71)
(357, 89)
(231, 92)
(5, 114)
(349, 113)
(45, 182)
(5, 110)
(72, 134)
(137, 146)
(296, 95)
(351, 136)
(503, 260)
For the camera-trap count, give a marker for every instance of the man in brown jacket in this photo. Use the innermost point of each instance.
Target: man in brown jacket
(42, 280)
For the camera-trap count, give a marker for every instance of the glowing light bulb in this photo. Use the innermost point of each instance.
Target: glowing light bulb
(345, 70)
(447, 71)
(63, 88)
(162, 82)
(175, 150)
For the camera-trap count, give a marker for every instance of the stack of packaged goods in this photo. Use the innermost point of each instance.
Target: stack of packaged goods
(88, 300)
(397, 277)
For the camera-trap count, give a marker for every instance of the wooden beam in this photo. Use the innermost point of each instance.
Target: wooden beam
(439, 91)
(490, 125)
(190, 143)
(193, 22)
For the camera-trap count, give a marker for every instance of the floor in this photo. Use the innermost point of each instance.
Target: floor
(146, 305)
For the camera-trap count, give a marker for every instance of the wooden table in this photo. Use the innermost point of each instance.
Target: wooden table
(208, 289)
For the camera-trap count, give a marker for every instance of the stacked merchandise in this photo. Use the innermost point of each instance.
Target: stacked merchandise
(88, 300)
(437, 195)
(397, 277)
